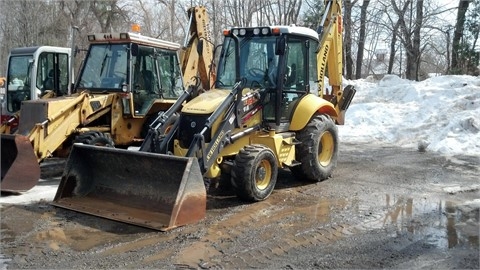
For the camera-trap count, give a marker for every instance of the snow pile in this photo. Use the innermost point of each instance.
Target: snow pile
(440, 114)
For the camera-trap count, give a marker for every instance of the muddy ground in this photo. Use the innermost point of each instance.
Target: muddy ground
(384, 207)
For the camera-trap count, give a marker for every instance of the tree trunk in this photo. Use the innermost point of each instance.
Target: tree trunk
(411, 36)
(458, 34)
(347, 25)
(416, 38)
(393, 46)
(361, 39)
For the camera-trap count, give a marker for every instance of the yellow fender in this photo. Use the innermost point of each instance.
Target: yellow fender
(306, 107)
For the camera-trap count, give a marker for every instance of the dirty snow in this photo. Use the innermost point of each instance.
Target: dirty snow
(440, 114)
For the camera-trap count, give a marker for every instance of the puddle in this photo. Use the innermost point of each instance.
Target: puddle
(77, 239)
(444, 223)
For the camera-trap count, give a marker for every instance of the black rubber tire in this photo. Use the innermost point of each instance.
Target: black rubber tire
(254, 173)
(318, 151)
(95, 138)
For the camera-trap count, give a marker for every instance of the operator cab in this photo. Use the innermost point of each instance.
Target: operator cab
(143, 68)
(32, 71)
(276, 61)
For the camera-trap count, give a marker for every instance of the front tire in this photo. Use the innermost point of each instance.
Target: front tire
(96, 138)
(318, 150)
(254, 173)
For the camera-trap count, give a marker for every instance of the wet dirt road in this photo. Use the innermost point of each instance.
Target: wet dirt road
(385, 207)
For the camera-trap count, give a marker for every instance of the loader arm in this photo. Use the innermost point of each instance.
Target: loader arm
(157, 128)
(6, 127)
(50, 134)
(229, 109)
(60, 118)
(330, 59)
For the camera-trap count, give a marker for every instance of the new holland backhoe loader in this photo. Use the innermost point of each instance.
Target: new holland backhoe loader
(268, 109)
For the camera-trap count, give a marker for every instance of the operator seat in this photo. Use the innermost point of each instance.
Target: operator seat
(149, 81)
(292, 77)
(48, 82)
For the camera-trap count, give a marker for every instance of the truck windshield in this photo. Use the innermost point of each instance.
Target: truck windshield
(105, 67)
(18, 81)
(258, 62)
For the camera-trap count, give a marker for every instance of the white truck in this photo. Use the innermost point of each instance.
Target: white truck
(33, 73)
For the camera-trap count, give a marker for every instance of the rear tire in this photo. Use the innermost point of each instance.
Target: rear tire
(318, 150)
(95, 138)
(254, 173)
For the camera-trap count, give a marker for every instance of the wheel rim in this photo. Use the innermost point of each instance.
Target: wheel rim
(325, 148)
(263, 174)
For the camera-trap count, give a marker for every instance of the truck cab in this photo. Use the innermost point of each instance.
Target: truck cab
(32, 73)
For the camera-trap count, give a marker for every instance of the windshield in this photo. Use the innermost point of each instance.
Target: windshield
(18, 81)
(105, 67)
(171, 84)
(258, 62)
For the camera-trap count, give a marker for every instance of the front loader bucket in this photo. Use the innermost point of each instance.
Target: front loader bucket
(19, 166)
(145, 189)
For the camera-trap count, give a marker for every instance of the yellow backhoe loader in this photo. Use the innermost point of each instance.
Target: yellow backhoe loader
(125, 81)
(268, 109)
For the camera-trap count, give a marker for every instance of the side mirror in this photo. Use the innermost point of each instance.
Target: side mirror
(281, 45)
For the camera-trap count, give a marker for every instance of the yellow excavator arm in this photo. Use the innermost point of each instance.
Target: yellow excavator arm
(330, 59)
(196, 56)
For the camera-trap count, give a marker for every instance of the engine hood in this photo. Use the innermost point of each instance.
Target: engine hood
(205, 103)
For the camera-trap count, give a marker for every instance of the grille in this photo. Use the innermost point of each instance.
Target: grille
(190, 125)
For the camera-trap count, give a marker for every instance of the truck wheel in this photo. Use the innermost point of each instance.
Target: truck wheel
(254, 173)
(95, 138)
(318, 150)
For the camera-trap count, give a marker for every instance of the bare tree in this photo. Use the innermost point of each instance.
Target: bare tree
(361, 38)
(410, 36)
(110, 13)
(458, 34)
(417, 31)
(393, 40)
(280, 12)
(347, 25)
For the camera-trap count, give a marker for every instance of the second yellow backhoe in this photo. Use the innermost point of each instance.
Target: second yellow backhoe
(126, 80)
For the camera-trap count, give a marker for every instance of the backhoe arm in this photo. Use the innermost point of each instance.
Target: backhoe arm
(330, 59)
(196, 56)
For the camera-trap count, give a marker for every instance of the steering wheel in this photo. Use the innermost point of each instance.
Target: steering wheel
(256, 72)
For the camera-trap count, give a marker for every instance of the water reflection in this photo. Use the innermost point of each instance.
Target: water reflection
(454, 225)
(402, 209)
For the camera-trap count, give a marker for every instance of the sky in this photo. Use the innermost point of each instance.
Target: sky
(442, 114)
